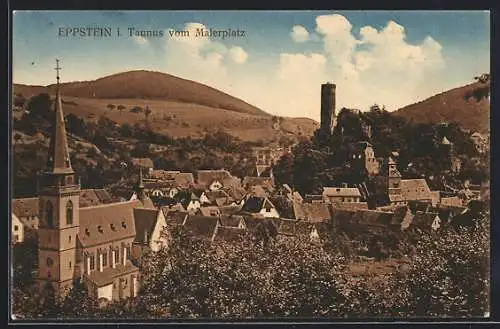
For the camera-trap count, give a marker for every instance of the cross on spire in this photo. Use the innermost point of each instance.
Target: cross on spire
(57, 68)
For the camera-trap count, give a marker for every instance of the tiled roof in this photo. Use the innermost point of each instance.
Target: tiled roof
(257, 191)
(213, 195)
(287, 226)
(231, 221)
(206, 177)
(24, 207)
(115, 220)
(229, 234)
(249, 181)
(349, 205)
(313, 197)
(145, 221)
(424, 220)
(237, 193)
(148, 203)
(163, 174)
(143, 162)
(88, 198)
(372, 218)
(342, 216)
(103, 195)
(175, 218)
(201, 226)
(341, 191)
(184, 180)
(415, 189)
(230, 210)
(256, 204)
(108, 274)
(209, 211)
(312, 212)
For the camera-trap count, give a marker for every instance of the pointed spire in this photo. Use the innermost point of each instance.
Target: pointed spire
(141, 184)
(58, 161)
(141, 195)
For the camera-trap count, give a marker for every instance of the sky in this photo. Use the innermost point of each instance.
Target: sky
(390, 58)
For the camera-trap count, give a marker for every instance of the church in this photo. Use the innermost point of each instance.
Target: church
(90, 244)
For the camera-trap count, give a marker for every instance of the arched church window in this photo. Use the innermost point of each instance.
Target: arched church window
(69, 213)
(49, 214)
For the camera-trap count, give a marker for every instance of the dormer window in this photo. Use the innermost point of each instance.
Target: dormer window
(99, 228)
(124, 225)
(87, 232)
(112, 227)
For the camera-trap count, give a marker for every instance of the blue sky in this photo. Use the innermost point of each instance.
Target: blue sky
(391, 58)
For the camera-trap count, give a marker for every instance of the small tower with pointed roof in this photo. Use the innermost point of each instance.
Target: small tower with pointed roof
(58, 207)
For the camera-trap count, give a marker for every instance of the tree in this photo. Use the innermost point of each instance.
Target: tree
(111, 107)
(120, 108)
(147, 112)
(39, 107)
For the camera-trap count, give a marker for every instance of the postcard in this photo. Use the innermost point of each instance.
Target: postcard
(250, 165)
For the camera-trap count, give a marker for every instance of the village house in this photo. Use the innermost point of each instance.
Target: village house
(27, 211)
(17, 229)
(214, 180)
(208, 211)
(149, 225)
(311, 212)
(267, 183)
(341, 194)
(260, 207)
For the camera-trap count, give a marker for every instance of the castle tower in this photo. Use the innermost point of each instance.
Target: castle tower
(59, 209)
(328, 117)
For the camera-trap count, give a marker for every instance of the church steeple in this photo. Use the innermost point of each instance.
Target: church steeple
(58, 161)
(141, 195)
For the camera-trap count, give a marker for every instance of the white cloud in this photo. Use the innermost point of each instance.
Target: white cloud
(238, 55)
(380, 66)
(299, 33)
(141, 40)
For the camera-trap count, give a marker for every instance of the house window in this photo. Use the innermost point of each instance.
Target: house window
(105, 258)
(92, 262)
(50, 262)
(16, 227)
(69, 213)
(69, 239)
(117, 256)
(49, 214)
(16, 237)
(70, 264)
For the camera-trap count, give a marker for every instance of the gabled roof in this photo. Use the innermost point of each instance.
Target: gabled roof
(258, 191)
(415, 189)
(287, 226)
(341, 191)
(213, 195)
(256, 204)
(229, 234)
(201, 226)
(372, 218)
(115, 220)
(145, 221)
(311, 212)
(175, 218)
(237, 193)
(209, 211)
(230, 210)
(266, 182)
(103, 195)
(25, 207)
(184, 180)
(206, 177)
(231, 221)
(88, 197)
(148, 203)
(424, 220)
(164, 174)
